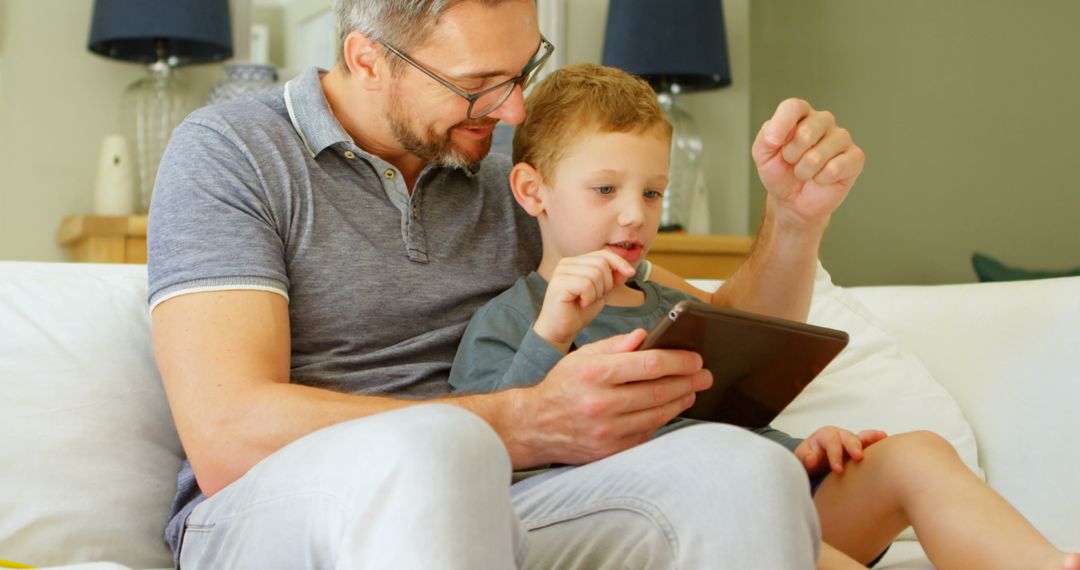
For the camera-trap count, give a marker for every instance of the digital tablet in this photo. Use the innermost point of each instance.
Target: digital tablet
(759, 363)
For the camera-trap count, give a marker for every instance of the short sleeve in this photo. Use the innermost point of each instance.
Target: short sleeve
(212, 223)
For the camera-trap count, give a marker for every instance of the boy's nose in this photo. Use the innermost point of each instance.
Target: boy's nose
(632, 214)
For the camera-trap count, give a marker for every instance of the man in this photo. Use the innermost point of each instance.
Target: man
(315, 255)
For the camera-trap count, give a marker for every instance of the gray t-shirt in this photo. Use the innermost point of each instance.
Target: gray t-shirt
(270, 193)
(500, 350)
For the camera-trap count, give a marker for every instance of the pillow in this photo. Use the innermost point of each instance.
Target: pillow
(873, 383)
(990, 269)
(88, 448)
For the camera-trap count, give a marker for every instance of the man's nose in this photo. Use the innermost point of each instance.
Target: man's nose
(513, 109)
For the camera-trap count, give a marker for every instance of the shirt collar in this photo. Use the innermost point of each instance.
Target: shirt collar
(312, 119)
(310, 113)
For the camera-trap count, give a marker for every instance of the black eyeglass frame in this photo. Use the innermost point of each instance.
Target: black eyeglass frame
(528, 73)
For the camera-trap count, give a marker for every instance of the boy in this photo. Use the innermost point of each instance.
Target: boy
(592, 166)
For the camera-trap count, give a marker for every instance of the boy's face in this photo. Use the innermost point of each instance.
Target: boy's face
(606, 192)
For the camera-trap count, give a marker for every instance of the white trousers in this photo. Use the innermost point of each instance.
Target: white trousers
(428, 487)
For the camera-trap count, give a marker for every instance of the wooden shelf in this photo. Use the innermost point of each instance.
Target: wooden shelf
(104, 239)
(700, 256)
(122, 239)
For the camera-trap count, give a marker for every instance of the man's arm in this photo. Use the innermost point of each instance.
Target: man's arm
(807, 164)
(224, 360)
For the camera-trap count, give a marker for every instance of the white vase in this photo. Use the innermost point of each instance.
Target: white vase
(114, 190)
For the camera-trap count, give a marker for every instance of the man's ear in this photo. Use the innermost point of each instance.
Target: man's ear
(525, 181)
(365, 60)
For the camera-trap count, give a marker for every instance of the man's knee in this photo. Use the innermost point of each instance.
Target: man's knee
(412, 442)
(436, 436)
(739, 453)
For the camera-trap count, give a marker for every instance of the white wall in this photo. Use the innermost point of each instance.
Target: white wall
(57, 102)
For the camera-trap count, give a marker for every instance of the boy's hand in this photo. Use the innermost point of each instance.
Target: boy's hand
(827, 448)
(576, 293)
(806, 162)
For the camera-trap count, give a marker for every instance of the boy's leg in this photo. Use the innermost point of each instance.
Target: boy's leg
(705, 496)
(419, 488)
(918, 479)
(833, 559)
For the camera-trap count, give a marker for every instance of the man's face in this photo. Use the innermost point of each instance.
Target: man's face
(474, 47)
(606, 192)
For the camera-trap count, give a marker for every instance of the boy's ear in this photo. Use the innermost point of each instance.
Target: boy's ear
(525, 181)
(364, 60)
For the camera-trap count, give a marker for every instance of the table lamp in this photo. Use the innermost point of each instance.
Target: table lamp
(164, 34)
(678, 46)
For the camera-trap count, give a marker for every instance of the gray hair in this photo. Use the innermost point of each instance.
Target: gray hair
(403, 24)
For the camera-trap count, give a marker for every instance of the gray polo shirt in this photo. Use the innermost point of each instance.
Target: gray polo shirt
(270, 193)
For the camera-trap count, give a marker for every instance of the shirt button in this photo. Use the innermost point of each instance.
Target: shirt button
(350, 154)
(416, 213)
(389, 173)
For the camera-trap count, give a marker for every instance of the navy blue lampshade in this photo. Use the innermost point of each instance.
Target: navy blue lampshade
(669, 42)
(191, 31)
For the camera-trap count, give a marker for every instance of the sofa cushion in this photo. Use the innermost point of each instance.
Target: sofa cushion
(89, 451)
(1010, 354)
(873, 383)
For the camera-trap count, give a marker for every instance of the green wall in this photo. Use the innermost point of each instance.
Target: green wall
(969, 113)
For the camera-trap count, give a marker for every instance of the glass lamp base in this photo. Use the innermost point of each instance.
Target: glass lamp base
(685, 170)
(150, 109)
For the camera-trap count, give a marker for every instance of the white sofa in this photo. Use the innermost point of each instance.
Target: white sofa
(88, 453)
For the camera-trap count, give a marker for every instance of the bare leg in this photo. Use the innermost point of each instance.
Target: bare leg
(918, 479)
(833, 559)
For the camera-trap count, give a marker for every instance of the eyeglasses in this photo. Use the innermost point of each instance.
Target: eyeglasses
(483, 103)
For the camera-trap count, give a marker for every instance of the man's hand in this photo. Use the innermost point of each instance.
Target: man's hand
(806, 162)
(576, 293)
(829, 447)
(601, 399)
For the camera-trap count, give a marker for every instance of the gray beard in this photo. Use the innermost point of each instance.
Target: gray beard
(434, 148)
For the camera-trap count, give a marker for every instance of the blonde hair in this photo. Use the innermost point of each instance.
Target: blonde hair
(579, 97)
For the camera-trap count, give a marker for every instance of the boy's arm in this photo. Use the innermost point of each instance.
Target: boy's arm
(499, 351)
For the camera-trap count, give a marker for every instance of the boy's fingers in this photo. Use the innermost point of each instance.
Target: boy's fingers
(617, 263)
(871, 436)
(834, 450)
(590, 275)
(852, 445)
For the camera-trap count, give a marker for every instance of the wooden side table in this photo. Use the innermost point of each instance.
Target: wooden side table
(104, 239)
(693, 256)
(122, 239)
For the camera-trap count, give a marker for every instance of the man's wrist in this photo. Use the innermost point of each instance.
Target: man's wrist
(789, 225)
(792, 230)
(508, 412)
